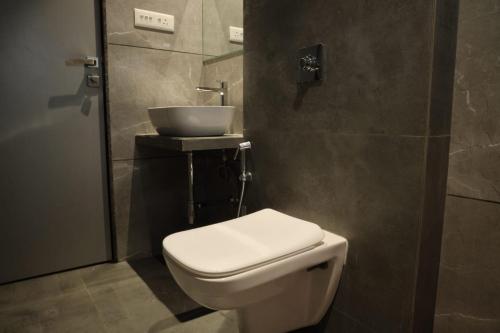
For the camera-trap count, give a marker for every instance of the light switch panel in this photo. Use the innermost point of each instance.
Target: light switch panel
(235, 34)
(153, 20)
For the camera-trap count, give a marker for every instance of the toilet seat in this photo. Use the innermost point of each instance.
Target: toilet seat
(264, 263)
(239, 245)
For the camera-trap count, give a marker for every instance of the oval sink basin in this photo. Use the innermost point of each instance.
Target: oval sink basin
(191, 120)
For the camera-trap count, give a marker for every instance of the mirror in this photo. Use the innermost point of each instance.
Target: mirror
(218, 18)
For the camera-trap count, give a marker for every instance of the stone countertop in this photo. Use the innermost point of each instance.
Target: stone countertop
(186, 144)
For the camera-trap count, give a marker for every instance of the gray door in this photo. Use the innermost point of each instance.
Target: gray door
(53, 190)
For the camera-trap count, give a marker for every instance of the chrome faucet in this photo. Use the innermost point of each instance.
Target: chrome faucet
(222, 91)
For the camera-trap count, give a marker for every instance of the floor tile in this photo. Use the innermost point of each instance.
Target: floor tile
(107, 273)
(38, 289)
(213, 323)
(138, 296)
(71, 312)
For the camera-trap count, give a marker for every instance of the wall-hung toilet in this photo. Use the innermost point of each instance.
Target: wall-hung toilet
(278, 272)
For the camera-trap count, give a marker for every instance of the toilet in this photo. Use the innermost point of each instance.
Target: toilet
(278, 272)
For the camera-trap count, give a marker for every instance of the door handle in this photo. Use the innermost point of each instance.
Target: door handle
(90, 62)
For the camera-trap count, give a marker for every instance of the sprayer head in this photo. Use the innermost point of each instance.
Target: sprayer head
(242, 146)
(245, 145)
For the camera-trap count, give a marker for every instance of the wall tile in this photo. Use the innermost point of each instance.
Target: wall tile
(150, 68)
(230, 70)
(378, 66)
(188, 24)
(475, 147)
(150, 203)
(365, 188)
(353, 153)
(475, 172)
(469, 282)
(141, 78)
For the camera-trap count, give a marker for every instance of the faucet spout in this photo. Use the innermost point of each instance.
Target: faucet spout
(222, 91)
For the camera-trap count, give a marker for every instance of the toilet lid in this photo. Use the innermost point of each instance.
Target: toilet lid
(237, 245)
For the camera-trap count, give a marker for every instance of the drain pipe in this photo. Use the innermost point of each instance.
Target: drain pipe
(245, 176)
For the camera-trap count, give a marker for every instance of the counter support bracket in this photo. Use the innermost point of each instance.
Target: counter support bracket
(189, 145)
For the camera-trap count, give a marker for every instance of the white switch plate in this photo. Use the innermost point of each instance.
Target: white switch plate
(153, 20)
(235, 34)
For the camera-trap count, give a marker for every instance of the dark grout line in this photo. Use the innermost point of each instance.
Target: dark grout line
(161, 157)
(476, 199)
(249, 132)
(223, 57)
(157, 49)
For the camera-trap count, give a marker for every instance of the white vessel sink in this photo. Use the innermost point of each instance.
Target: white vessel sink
(191, 120)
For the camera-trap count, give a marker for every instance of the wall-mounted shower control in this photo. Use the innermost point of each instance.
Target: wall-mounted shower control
(153, 20)
(310, 64)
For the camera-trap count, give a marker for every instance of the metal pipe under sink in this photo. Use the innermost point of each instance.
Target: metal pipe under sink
(190, 186)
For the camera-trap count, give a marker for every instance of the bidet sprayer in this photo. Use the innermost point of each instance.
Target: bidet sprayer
(245, 175)
(243, 147)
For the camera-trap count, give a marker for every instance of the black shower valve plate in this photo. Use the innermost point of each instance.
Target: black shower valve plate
(311, 64)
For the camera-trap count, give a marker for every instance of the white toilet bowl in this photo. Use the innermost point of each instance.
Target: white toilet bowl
(278, 272)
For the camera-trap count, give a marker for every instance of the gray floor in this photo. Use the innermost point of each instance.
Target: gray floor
(138, 296)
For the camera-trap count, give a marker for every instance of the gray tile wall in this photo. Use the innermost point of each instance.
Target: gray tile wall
(469, 283)
(364, 153)
(150, 68)
(188, 25)
(469, 277)
(475, 142)
(231, 70)
(140, 78)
